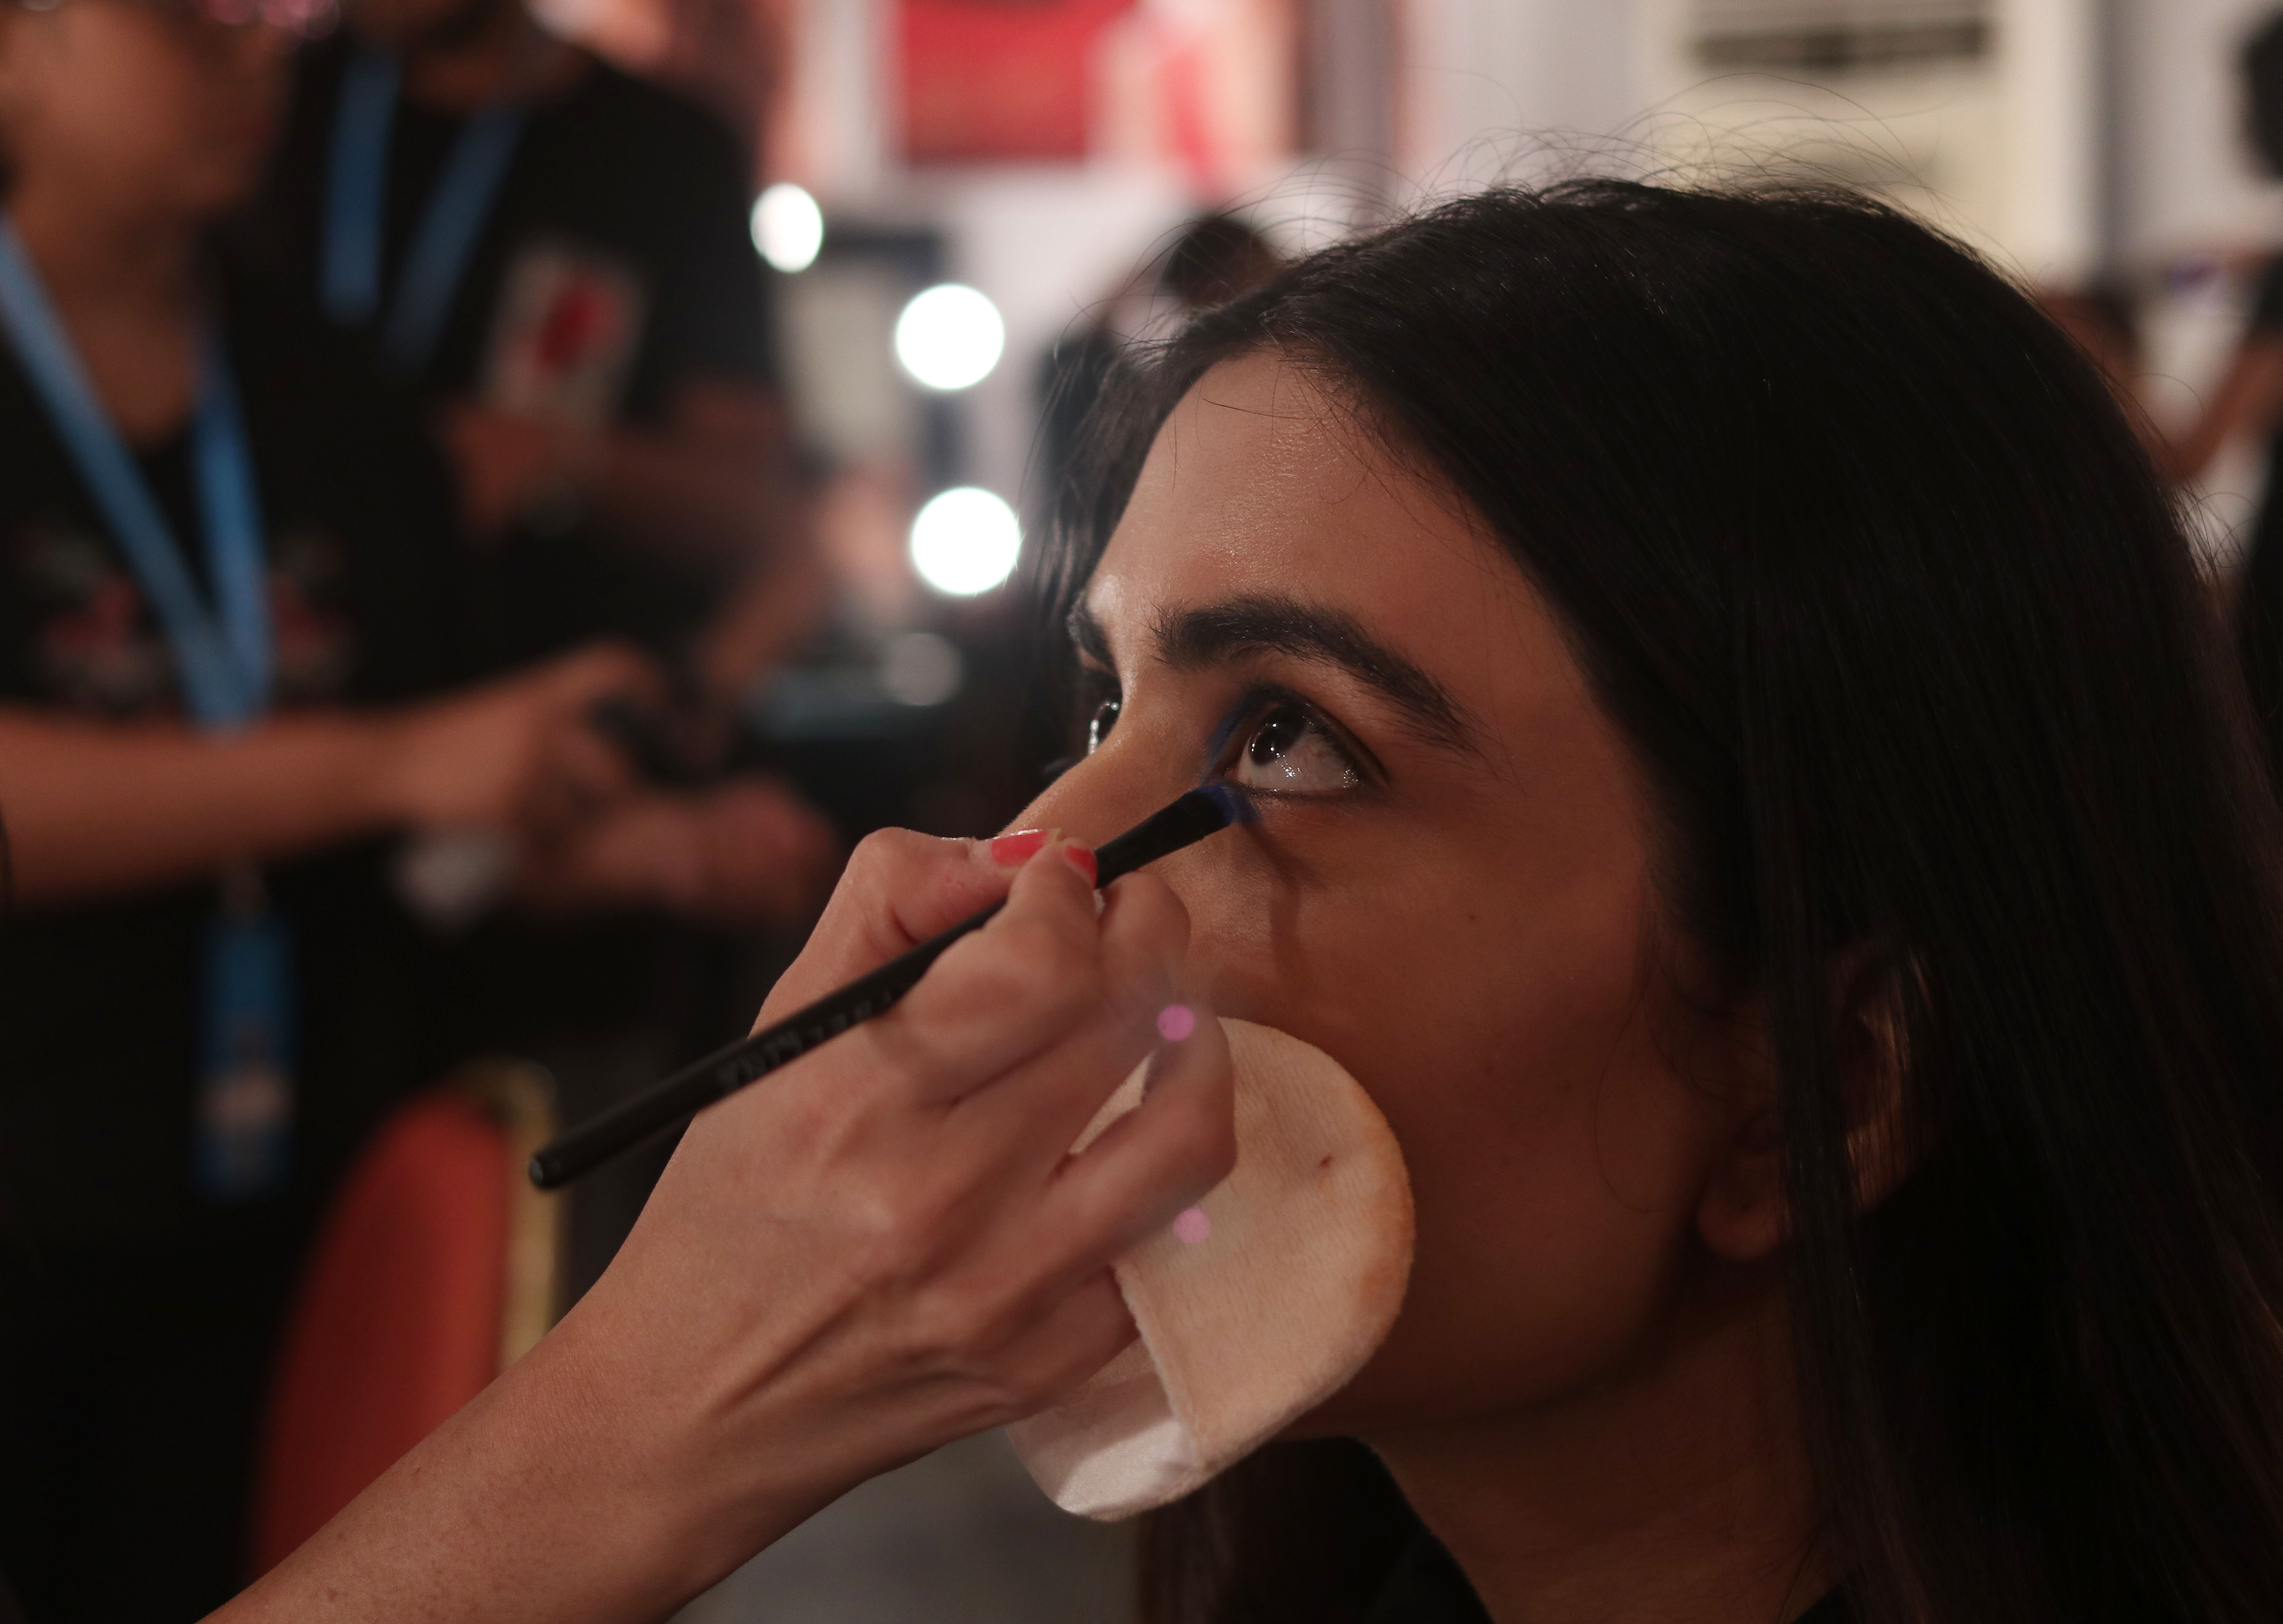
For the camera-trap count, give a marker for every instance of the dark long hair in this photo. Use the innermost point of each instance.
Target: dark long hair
(2260, 60)
(1861, 556)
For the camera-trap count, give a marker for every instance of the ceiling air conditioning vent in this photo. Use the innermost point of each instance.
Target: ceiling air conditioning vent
(1826, 37)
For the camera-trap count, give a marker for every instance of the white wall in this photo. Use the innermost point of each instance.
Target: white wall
(2005, 149)
(2048, 73)
(2011, 150)
(1475, 72)
(2184, 177)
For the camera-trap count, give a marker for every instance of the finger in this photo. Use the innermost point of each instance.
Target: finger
(1159, 1159)
(599, 670)
(1081, 1331)
(1001, 995)
(583, 768)
(1144, 936)
(899, 889)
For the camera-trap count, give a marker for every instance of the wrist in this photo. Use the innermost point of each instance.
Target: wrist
(682, 1513)
(530, 1503)
(383, 778)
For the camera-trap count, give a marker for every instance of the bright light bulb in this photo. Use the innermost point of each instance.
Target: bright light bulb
(965, 541)
(788, 226)
(950, 337)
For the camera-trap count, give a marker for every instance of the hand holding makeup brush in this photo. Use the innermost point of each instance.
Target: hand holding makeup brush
(888, 1247)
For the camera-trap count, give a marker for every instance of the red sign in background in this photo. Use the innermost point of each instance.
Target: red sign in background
(994, 80)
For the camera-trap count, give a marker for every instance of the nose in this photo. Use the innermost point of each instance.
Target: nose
(1109, 791)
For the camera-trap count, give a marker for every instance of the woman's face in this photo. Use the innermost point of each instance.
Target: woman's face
(140, 104)
(1448, 889)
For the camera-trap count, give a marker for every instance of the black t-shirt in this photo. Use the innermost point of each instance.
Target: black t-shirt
(2259, 607)
(2267, 298)
(614, 268)
(1427, 1587)
(2267, 316)
(98, 1000)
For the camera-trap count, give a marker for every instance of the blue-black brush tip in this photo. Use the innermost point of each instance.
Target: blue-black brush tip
(1236, 806)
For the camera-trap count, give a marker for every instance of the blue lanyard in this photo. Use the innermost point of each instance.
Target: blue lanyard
(222, 662)
(357, 198)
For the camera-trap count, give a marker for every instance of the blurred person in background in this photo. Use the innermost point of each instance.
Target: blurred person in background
(1744, 782)
(2101, 316)
(2248, 400)
(229, 598)
(1214, 259)
(555, 256)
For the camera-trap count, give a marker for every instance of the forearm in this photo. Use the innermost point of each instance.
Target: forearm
(559, 1495)
(834, 1276)
(94, 807)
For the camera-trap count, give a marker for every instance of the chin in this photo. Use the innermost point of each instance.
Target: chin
(1383, 1397)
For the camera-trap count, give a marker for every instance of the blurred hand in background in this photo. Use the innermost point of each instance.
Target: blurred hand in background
(749, 852)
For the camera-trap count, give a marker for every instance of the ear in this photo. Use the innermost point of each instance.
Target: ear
(1742, 1214)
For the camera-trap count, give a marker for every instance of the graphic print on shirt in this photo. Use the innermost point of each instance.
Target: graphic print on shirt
(98, 649)
(565, 333)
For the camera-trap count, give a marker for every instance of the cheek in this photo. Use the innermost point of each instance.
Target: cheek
(1554, 1153)
(1554, 1197)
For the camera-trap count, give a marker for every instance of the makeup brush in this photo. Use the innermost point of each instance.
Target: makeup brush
(1182, 822)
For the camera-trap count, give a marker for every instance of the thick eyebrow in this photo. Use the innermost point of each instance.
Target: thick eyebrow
(1189, 638)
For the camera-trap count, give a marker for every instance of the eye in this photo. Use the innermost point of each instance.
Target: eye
(1287, 752)
(1099, 724)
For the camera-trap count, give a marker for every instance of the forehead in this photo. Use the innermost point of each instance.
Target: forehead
(1262, 483)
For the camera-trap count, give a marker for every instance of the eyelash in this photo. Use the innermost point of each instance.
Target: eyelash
(1241, 728)
(1238, 729)
(1101, 700)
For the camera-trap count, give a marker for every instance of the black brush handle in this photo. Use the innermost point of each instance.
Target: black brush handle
(724, 1072)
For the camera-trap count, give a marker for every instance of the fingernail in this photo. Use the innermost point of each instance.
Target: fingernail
(1081, 858)
(1192, 1227)
(1176, 1021)
(1013, 850)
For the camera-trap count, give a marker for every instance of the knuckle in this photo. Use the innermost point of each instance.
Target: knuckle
(874, 1219)
(915, 1045)
(960, 1329)
(887, 1257)
(886, 852)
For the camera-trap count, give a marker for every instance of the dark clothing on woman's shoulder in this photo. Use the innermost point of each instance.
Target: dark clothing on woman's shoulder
(1426, 1587)
(136, 1317)
(97, 999)
(2259, 613)
(614, 269)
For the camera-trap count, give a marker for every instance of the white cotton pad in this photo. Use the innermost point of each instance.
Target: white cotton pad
(1293, 1287)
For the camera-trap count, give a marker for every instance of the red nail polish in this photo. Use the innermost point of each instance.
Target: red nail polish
(1081, 858)
(1013, 850)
